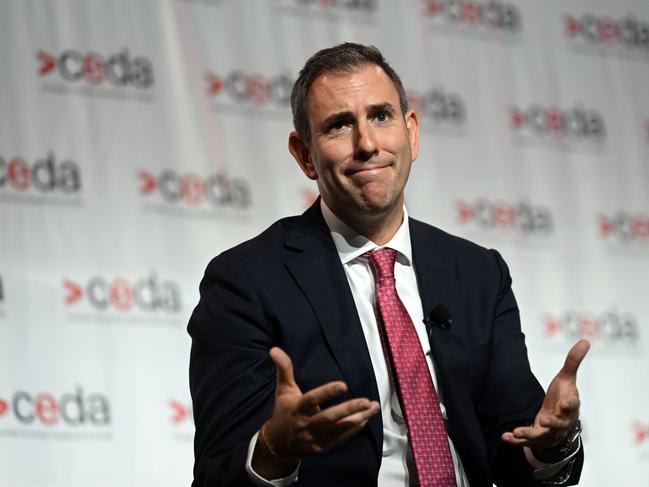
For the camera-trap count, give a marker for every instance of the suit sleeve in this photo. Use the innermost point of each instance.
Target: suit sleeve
(512, 395)
(231, 376)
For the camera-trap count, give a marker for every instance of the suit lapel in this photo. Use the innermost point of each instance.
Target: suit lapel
(317, 269)
(433, 268)
(435, 277)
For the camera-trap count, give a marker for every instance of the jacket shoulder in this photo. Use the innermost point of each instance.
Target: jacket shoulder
(269, 244)
(447, 242)
(467, 256)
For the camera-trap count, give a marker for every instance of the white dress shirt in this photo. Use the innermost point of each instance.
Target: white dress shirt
(397, 455)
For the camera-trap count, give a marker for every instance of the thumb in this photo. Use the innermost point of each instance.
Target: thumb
(284, 366)
(574, 358)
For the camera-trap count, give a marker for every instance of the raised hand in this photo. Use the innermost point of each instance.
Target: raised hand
(299, 426)
(560, 410)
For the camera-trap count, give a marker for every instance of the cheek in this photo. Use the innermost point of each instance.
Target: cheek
(402, 143)
(332, 162)
(337, 148)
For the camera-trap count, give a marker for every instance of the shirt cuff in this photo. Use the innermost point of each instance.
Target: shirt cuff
(257, 479)
(545, 471)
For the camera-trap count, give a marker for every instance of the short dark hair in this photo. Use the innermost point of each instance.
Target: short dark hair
(343, 58)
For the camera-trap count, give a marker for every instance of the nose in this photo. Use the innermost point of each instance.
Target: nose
(365, 144)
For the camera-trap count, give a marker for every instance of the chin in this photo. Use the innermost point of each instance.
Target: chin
(377, 205)
(379, 200)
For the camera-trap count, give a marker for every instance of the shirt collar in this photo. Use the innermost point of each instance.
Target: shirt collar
(350, 244)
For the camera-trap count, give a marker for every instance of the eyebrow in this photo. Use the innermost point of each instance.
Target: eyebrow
(381, 107)
(347, 115)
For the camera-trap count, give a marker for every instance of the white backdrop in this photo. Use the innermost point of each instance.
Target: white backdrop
(139, 139)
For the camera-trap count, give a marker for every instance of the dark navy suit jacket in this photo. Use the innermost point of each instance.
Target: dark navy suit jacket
(287, 288)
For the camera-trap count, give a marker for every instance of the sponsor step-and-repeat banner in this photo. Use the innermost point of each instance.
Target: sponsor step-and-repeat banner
(140, 139)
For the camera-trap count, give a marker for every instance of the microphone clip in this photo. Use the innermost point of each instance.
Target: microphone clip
(439, 317)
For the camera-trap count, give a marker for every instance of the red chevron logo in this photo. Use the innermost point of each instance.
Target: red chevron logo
(214, 82)
(641, 432)
(75, 292)
(149, 182)
(48, 62)
(180, 411)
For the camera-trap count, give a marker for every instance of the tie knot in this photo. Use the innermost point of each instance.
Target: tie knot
(383, 262)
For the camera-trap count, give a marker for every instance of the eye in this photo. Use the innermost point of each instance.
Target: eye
(337, 126)
(382, 116)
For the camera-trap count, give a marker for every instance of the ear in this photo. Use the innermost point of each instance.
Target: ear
(412, 124)
(300, 151)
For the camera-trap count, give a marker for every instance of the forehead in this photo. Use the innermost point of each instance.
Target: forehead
(345, 91)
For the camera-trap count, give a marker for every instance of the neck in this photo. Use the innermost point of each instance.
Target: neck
(377, 227)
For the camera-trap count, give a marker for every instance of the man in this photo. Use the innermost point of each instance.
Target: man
(311, 363)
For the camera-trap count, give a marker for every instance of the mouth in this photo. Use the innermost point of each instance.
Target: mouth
(365, 169)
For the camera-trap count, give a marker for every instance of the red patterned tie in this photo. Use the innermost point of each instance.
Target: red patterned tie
(426, 431)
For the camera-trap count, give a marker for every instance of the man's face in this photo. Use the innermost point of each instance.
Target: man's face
(361, 146)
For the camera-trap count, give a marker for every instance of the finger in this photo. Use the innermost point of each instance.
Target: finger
(526, 436)
(355, 419)
(340, 432)
(361, 416)
(345, 411)
(310, 401)
(527, 432)
(557, 425)
(575, 357)
(329, 441)
(510, 439)
(284, 367)
(550, 431)
(347, 432)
